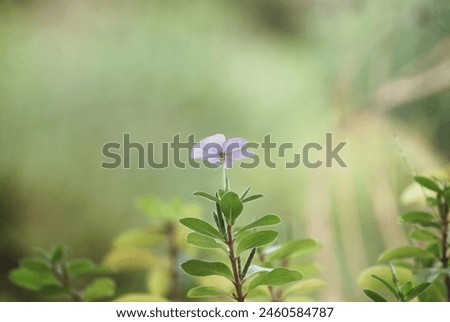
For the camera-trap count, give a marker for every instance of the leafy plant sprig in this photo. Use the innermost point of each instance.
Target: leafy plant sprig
(239, 244)
(51, 274)
(402, 292)
(430, 250)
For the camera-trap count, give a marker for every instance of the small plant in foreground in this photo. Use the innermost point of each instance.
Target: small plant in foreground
(402, 292)
(51, 274)
(239, 244)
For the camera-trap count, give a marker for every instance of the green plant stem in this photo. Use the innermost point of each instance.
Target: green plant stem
(62, 276)
(239, 296)
(173, 255)
(444, 258)
(400, 296)
(224, 177)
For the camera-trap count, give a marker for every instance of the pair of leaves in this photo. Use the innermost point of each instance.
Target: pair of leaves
(201, 268)
(245, 199)
(251, 240)
(275, 277)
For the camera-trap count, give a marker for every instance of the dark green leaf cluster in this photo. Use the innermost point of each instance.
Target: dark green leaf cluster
(51, 274)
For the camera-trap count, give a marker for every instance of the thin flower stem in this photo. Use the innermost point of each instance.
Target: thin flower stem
(224, 177)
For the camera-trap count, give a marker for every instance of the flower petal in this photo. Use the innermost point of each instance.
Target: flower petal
(218, 139)
(214, 160)
(241, 154)
(233, 143)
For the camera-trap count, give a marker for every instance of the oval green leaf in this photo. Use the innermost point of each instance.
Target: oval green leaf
(35, 265)
(256, 239)
(419, 217)
(417, 290)
(100, 288)
(267, 220)
(422, 235)
(203, 241)
(428, 183)
(32, 280)
(255, 269)
(197, 267)
(201, 227)
(277, 277)
(400, 253)
(296, 247)
(231, 206)
(374, 296)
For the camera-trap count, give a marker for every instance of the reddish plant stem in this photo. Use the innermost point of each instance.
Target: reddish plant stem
(239, 296)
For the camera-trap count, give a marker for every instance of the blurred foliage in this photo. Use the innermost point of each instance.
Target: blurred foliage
(75, 75)
(429, 247)
(52, 275)
(156, 249)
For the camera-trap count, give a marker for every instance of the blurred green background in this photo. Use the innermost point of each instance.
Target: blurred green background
(77, 74)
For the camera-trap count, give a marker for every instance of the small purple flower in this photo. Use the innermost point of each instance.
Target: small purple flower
(218, 150)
